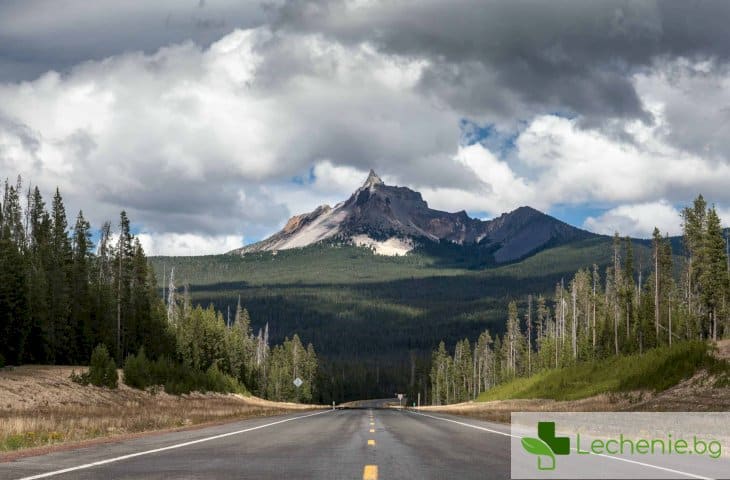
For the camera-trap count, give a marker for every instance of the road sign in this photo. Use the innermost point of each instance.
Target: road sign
(400, 396)
(298, 382)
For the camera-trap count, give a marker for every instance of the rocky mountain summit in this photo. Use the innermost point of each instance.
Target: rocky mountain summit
(394, 220)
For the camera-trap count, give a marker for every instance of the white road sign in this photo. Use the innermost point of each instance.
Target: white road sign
(298, 382)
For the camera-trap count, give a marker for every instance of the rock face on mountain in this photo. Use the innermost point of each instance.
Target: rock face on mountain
(393, 220)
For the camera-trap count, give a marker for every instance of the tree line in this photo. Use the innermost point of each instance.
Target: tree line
(205, 340)
(598, 314)
(61, 296)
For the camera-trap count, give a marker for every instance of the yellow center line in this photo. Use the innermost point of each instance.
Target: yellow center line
(371, 442)
(370, 472)
(372, 430)
(372, 424)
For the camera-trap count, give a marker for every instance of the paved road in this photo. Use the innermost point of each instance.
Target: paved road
(342, 444)
(360, 443)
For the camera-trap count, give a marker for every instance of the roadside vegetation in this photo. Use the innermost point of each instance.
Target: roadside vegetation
(655, 370)
(64, 300)
(40, 406)
(604, 331)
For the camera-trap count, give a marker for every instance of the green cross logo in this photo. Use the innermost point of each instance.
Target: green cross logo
(547, 445)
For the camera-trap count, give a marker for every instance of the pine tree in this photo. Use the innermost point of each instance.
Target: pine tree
(658, 277)
(483, 354)
(39, 259)
(628, 285)
(104, 288)
(617, 288)
(59, 274)
(81, 307)
(14, 308)
(514, 341)
(693, 227)
(123, 280)
(713, 277)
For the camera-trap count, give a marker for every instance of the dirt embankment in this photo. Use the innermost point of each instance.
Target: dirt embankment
(697, 394)
(40, 406)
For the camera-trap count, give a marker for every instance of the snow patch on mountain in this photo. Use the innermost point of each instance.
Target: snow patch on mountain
(391, 247)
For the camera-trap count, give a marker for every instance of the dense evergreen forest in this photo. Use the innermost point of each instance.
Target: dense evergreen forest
(61, 296)
(602, 313)
(374, 319)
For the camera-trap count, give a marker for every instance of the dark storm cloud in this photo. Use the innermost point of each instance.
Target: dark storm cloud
(41, 35)
(513, 58)
(184, 205)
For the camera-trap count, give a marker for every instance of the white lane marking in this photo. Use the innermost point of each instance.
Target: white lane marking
(169, 447)
(666, 469)
(467, 425)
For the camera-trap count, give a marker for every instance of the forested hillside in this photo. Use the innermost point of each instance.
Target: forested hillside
(601, 313)
(61, 296)
(376, 319)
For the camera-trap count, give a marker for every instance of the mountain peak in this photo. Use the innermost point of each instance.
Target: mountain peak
(372, 180)
(397, 219)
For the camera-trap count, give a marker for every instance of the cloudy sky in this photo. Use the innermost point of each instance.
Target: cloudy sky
(212, 121)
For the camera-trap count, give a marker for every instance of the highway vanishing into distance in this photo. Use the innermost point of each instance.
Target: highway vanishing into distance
(367, 443)
(363, 443)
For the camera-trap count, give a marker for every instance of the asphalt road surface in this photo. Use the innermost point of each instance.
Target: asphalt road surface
(359, 443)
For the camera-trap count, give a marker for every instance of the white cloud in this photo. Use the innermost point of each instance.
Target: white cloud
(499, 190)
(573, 165)
(187, 244)
(638, 220)
(206, 141)
(342, 180)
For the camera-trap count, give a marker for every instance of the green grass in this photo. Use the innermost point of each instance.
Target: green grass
(655, 370)
(29, 439)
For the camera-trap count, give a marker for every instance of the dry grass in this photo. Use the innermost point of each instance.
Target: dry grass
(500, 410)
(723, 349)
(41, 406)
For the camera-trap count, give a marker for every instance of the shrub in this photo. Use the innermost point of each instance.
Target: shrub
(80, 378)
(176, 377)
(2, 360)
(218, 381)
(102, 369)
(137, 371)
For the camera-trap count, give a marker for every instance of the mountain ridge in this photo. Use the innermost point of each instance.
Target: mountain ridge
(394, 220)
